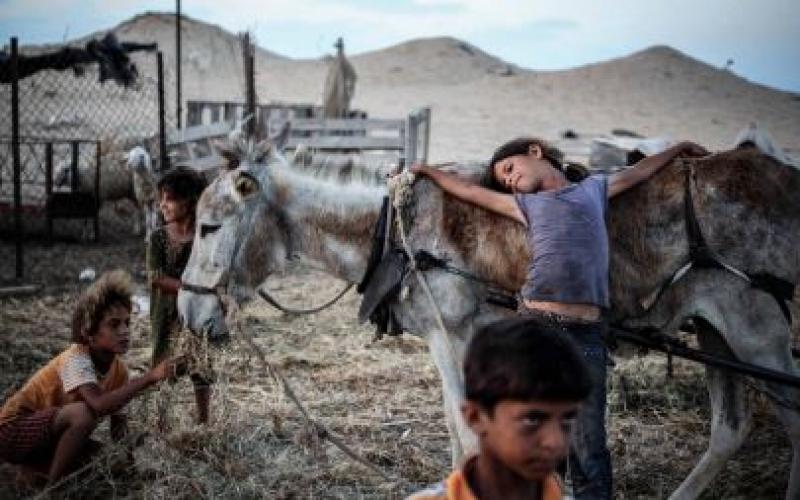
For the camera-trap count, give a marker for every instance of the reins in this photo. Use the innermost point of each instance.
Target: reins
(298, 312)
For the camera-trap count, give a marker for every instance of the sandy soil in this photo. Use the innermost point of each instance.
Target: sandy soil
(381, 397)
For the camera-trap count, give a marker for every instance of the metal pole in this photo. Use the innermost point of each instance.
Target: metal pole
(97, 180)
(162, 133)
(178, 106)
(250, 85)
(73, 167)
(16, 156)
(48, 187)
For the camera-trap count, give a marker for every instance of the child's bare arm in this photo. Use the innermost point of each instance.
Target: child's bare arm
(646, 168)
(497, 202)
(155, 269)
(167, 284)
(103, 403)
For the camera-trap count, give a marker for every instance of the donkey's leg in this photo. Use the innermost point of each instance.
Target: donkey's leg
(456, 448)
(764, 339)
(461, 437)
(790, 417)
(720, 299)
(730, 419)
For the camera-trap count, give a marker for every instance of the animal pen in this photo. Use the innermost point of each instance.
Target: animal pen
(378, 141)
(66, 111)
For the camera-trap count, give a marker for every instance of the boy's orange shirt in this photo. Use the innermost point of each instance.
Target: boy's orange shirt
(455, 487)
(45, 389)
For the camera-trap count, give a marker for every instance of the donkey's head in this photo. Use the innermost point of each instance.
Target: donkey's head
(235, 245)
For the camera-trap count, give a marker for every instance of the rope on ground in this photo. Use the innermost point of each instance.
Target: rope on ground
(297, 312)
(320, 430)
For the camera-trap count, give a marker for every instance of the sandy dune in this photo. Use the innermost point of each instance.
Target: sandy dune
(479, 100)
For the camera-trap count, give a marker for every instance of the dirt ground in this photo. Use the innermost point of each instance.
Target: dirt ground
(382, 398)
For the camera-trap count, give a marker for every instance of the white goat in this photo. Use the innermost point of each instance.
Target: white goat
(145, 188)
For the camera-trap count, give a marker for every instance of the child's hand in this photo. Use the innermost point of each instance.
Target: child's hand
(169, 368)
(418, 168)
(692, 149)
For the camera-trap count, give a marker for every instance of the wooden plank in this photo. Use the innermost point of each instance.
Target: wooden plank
(19, 291)
(206, 163)
(344, 124)
(346, 142)
(190, 134)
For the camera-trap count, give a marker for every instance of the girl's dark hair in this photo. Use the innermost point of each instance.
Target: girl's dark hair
(183, 183)
(521, 359)
(111, 289)
(519, 146)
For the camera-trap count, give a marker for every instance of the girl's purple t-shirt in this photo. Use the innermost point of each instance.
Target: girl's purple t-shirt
(569, 243)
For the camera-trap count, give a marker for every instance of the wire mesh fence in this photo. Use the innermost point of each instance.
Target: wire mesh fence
(79, 109)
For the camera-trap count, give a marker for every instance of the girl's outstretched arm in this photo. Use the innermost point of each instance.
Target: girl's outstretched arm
(646, 168)
(501, 203)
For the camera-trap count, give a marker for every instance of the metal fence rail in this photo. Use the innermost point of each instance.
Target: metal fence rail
(64, 115)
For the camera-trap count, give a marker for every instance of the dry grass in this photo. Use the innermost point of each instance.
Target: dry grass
(383, 399)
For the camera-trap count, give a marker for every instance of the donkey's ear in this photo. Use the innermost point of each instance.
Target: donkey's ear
(229, 150)
(281, 137)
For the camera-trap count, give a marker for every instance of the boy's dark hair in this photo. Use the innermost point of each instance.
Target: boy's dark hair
(110, 289)
(183, 183)
(519, 146)
(521, 359)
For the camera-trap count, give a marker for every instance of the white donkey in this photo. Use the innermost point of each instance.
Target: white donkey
(261, 212)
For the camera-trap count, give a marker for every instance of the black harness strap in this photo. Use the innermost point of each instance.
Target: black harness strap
(198, 289)
(495, 295)
(378, 239)
(700, 255)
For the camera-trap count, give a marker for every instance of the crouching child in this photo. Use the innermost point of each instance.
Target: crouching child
(47, 424)
(524, 386)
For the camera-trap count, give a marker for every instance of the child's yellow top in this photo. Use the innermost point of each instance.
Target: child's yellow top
(53, 384)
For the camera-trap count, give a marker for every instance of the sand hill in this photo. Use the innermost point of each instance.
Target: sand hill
(479, 100)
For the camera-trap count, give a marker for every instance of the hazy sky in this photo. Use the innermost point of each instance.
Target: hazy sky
(762, 37)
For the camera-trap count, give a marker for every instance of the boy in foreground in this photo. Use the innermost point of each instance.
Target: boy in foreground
(524, 385)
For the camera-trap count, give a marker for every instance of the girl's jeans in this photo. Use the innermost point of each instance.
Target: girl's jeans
(589, 459)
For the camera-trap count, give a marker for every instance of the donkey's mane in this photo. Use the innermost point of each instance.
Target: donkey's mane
(343, 169)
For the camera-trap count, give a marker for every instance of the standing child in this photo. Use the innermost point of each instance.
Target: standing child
(167, 255)
(524, 384)
(567, 281)
(47, 424)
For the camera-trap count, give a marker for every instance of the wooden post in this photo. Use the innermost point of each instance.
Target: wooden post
(427, 138)
(162, 128)
(411, 140)
(250, 84)
(178, 106)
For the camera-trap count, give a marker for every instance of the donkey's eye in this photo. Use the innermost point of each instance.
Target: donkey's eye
(208, 229)
(246, 185)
